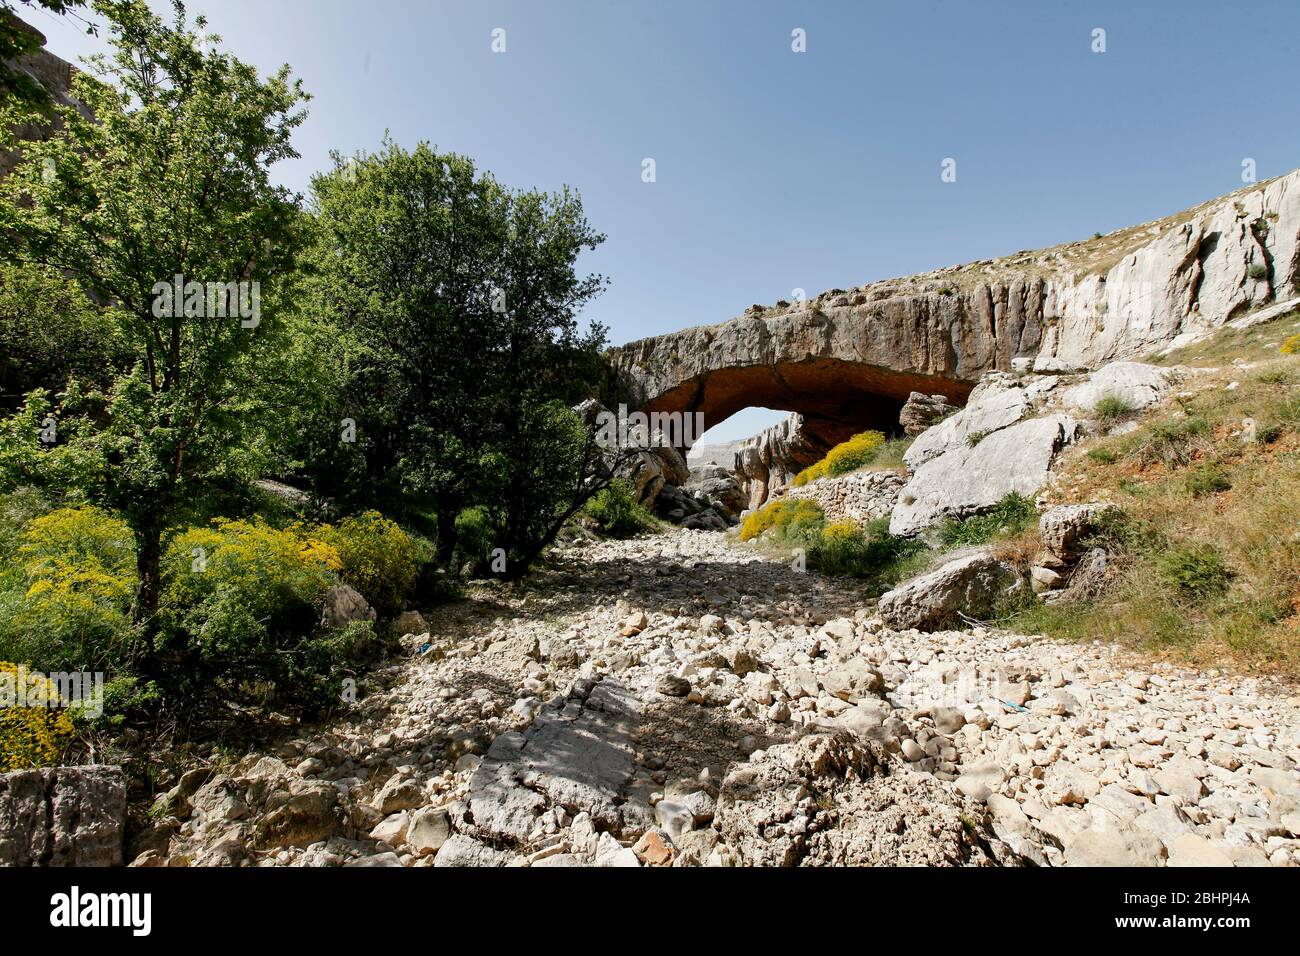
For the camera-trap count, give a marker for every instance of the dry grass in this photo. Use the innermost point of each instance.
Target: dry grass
(1207, 568)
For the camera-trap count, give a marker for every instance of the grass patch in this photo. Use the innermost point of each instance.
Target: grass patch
(889, 456)
(1111, 408)
(1009, 517)
(1205, 568)
(1205, 480)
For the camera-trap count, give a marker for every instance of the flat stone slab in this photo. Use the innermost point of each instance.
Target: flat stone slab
(578, 756)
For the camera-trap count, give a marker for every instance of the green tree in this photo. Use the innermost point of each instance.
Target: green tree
(453, 303)
(405, 245)
(543, 358)
(50, 332)
(169, 179)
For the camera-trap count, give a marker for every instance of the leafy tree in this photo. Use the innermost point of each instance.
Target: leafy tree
(550, 464)
(50, 332)
(404, 251)
(169, 179)
(454, 306)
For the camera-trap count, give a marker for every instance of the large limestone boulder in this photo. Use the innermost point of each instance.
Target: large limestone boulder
(343, 605)
(1135, 384)
(1064, 527)
(993, 405)
(970, 584)
(920, 411)
(718, 485)
(968, 479)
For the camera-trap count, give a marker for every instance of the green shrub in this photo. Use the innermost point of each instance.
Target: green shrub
(1111, 408)
(870, 554)
(66, 598)
(1010, 516)
(239, 615)
(1257, 271)
(616, 512)
(858, 452)
(1197, 570)
(376, 557)
(786, 519)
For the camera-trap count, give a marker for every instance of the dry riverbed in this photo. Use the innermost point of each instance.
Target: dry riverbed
(683, 699)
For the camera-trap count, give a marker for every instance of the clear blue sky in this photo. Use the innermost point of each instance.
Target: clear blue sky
(778, 170)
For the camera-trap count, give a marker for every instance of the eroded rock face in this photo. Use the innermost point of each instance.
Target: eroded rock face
(969, 479)
(920, 411)
(63, 816)
(969, 584)
(768, 462)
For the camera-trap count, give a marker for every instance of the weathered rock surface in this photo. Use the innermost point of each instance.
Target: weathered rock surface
(850, 807)
(966, 480)
(718, 486)
(768, 462)
(970, 585)
(1137, 385)
(577, 755)
(64, 816)
(343, 605)
(920, 411)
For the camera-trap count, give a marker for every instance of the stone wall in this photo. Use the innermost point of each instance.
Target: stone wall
(861, 496)
(62, 816)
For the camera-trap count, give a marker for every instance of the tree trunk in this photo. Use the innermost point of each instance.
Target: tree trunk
(446, 544)
(148, 565)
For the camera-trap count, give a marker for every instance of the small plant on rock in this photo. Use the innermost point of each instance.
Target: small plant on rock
(1112, 408)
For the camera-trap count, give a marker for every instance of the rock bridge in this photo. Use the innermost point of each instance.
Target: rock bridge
(847, 360)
